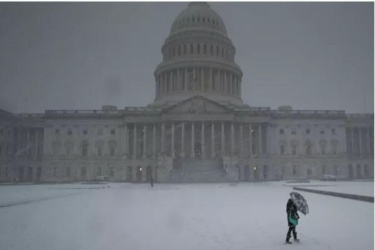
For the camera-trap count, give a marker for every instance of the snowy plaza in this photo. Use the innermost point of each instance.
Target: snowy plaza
(180, 216)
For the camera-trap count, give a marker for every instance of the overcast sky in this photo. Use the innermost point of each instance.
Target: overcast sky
(85, 55)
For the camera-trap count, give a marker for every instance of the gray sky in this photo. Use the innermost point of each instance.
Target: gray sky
(85, 55)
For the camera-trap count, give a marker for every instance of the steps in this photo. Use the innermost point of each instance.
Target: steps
(198, 171)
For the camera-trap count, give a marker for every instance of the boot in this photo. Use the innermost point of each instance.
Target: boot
(295, 237)
(287, 240)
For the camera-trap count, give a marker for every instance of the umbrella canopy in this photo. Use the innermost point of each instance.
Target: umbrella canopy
(300, 202)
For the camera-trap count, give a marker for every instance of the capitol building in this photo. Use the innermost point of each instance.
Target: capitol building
(197, 129)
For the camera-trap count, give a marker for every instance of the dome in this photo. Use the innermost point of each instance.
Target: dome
(198, 15)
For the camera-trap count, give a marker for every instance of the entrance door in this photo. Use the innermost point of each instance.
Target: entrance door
(246, 173)
(198, 150)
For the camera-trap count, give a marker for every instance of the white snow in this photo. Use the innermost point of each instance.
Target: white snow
(171, 217)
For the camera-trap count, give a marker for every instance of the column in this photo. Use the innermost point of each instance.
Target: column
(171, 81)
(368, 141)
(135, 141)
(202, 80)
(250, 140)
(36, 144)
(360, 140)
(225, 82)
(210, 80)
(218, 81)
(27, 143)
(192, 140)
(178, 80)
(183, 139)
(260, 140)
(162, 137)
(186, 79)
(230, 83)
(172, 139)
(144, 141)
(153, 141)
(241, 141)
(352, 137)
(202, 142)
(222, 139)
(212, 140)
(232, 139)
(126, 139)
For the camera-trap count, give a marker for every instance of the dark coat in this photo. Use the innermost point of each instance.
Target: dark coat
(291, 209)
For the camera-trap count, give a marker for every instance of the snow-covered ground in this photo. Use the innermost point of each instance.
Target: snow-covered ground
(171, 217)
(358, 187)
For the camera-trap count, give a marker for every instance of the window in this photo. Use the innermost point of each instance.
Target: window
(99, 171)
(333, 131)
(211, 49)
(222, 52)
(308, 148)
(1, 132)
(307, 131)
(204, 49)
(281, 131)
(217, 50)
(198, 48)
(294, 132)
(6, 172)
(112, 171)
(323, 149)
(85, 132)
(54, 172)
(322, 132)
(68, 148)
(69, 132)
(113, 131)
(185, 49)
(324, 169)
(57, 131)
(334, 147)
(100, 150)
(203, 19)
(100, 131)
(1, 150)
(179, 50)
(84, 148)
(322, 144)
(294, 149)
(294, 170)
(282, 149)
(197, 19)
(67, 172)
(83, 172)
(112, 150)
(191, 49)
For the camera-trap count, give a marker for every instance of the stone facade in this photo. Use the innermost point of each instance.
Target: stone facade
(197, 119)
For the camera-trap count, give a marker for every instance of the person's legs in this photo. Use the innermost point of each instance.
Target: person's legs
(291, 228)
(295, 233)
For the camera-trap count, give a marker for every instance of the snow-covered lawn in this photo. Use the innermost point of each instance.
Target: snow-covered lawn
(171, 217)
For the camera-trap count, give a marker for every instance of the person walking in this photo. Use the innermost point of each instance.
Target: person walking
(292, 216)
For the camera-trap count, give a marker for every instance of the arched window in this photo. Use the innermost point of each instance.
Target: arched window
(84, 148)
(282, 149)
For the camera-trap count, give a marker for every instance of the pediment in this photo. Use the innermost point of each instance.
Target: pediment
(198, 104)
